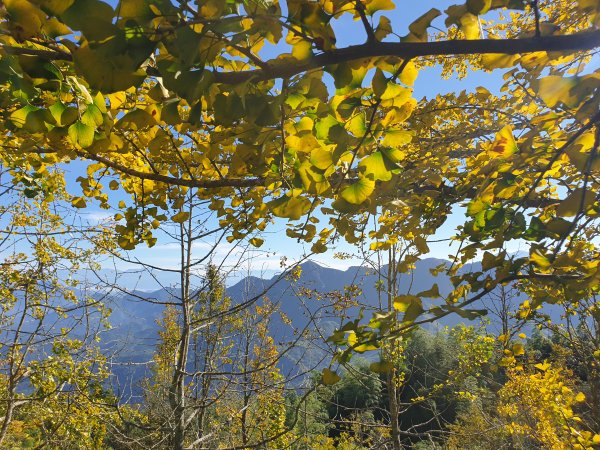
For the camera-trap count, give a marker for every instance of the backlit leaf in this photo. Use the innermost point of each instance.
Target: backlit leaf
(372, 6)
(359, 191)
(504, 145)
(81, 134)
(376, 167)
(491, 61)
(396, 137)
(555, 89)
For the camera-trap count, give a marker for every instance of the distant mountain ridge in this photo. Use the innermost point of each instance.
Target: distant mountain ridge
(135, 320)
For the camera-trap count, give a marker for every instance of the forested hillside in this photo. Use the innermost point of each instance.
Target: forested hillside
(172, 173)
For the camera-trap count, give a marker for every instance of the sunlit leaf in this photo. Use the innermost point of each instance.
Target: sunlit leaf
(555, 89)
(359, 191)
(491, 61)
(81, 134)
(504, 145)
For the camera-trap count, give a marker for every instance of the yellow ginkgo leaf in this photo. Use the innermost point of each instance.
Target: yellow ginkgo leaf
(396, 137)
(518, 349)
(505, 145)
(578, 201)
(256, 242)
(180, 217)
(555, 89)
(539, 259)
(402, 302)
(409, 74)
(378, 5)
(358, 192)
(25, 17)
(329, 377)
(419, 27)
(493, 61)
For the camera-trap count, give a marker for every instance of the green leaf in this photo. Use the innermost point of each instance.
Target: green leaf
(126, 243)
(30, 118)
(318, 247)
(85, 15)
(343, 206)
(383, 29)
(539, 259)
(26, 19)
(100, 102)
(170, 113)
(358, 192)
(396, 92)
(53, 28)
(376, 167)
(394, 154)
(379, 83)
(137, 10)
(108, 72)
(357, 125)
(63, 115)
(136, 120)
(92, 116)
(81, 134)
(329, 377)
(323, 126)
(313, 180)
(56, 7)
(321, 158)
(475, 206)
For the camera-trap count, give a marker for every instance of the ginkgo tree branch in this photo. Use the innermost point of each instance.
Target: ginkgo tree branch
(276, 68)
(176, 181)
(588, 40)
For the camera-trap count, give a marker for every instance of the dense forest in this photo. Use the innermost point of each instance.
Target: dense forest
(186, 145)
